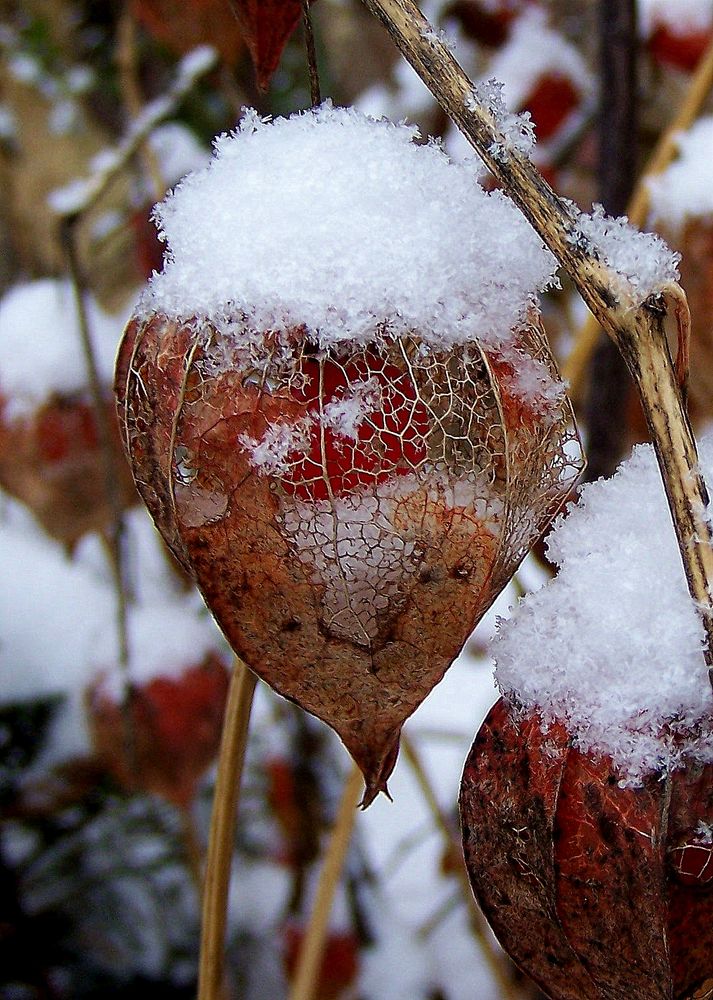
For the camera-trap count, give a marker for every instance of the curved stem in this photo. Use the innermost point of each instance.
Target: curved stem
(700, 87)
(222, 831)
(304, 986)
(314, 88)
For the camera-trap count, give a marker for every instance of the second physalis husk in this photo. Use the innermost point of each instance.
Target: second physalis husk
(341, 410)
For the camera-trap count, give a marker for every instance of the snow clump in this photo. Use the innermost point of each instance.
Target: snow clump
(681, 17)
(643, 262)
(613, 646)
(40, 345)
(344, 227)
(684, 190)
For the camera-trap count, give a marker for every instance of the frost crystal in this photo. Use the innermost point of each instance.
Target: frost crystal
(643, 261)
(613, 646)
(344, 227)
(518, 130)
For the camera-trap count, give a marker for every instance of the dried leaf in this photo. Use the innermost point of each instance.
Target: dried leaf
(267, 26)
(597, 891)
(398, 490)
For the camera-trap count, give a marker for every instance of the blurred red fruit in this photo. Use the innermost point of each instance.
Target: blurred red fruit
(181, 25)
(340, 961)
(550, 103)
(51, 461)
(167, 735)
(597, 891)
(682, 51)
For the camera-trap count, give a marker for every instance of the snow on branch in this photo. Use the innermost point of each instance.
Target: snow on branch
(79, 196)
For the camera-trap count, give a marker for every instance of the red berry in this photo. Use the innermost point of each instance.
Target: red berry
(682, 51)
(550, 103)
(388, 440)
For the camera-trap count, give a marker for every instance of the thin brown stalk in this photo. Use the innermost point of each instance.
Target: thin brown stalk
(451, 843)
(637, 329)
(701, 84)
(127, 65)
(306, 979)
(221, 842)
(314, 88)
(113, 535)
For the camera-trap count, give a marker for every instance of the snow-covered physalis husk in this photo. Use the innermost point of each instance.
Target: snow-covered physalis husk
(348, 513)
(597, 891)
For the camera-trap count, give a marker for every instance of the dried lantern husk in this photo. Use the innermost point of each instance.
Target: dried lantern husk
(596, 890)
(52, 460)
(349, 513)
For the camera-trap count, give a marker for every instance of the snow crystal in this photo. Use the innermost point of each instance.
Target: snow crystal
(534, 50)
(684, 190)
(518, 129)
(681, 17)
(613, 645)
(344, 226)
(347, 414)
(271, 453)
(40, 346)
(643, 261)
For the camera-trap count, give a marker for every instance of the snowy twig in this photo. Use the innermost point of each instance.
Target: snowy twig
(221, 843)
(637, 211)
(633, 320)
(305, 984)
(77, 198)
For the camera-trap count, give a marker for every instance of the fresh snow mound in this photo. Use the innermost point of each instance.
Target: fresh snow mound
(342, 224)
(40, 345)
(613, 646)
(684, 190)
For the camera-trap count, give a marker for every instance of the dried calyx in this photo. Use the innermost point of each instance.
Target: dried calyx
(341, 410)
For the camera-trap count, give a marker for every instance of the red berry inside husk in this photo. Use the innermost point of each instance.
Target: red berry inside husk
(388, 440)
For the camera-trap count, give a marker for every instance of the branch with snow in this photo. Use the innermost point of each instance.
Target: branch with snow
(78, 197)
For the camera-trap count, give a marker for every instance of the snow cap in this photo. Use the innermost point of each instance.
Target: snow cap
(344, 225)
(613, 646)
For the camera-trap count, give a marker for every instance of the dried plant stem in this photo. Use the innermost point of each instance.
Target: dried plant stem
(637, 330)
(221, 842)
(494, 960)
(112, 536)
(700, 87)
(126, 62)
(314, 88)
(306, 977)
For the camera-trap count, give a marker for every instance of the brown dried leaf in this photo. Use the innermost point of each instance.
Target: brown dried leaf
(267, 26)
